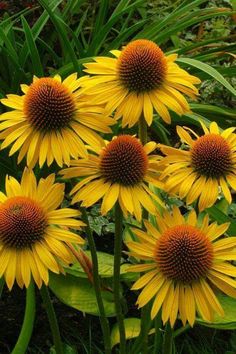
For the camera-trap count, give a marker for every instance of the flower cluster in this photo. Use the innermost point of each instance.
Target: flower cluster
(63, 122)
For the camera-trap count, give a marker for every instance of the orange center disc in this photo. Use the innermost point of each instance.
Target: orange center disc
(124, 161)
(49, 105)
(184, 254)
(22, 222)
(211, 156)
(142, 66)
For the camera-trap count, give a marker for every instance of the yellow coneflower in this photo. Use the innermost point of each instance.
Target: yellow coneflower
(33, 234)
(185, 263)
(139, 79)
(51, 121)
(208, 163)
(120, 171)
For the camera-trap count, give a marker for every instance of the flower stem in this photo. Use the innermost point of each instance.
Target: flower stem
(28, 322)
(52, 319)
(145, 326)
(181, 330)
(97, 285)
(142, 130)
(142, 133)
(168, 340)
(158, 325)
(145, 312)
(2, 283)
(117, 259)
(141, 343)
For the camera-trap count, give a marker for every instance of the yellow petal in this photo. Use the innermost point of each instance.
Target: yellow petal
(10, 272)
(110, 198)
(190, 305)
(147, 109)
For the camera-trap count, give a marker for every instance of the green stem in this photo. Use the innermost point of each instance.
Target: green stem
(145, 325)
(142, 130)
(2, 283)
(145, 312)
(117, 259)
(158, 325)
(181, 330)
(97, 285)
(168, 340)
(141, 343)
(142, 133)
(28, 322)
(52, 319)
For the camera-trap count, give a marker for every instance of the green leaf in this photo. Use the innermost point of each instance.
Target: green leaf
(68, 68)
(229, 319)
(209, 70)
(132, 330)
(67, 349)
(105, 265)
(190, 20)
(79, 294)
(221, 218)
(101, 36)
(9, 46)
(60, 28)
(213, 111)
(156, 27)
(36, 30)
(34, 54)
(188, 118)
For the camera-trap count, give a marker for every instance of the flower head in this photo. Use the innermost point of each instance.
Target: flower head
(186, 261)
(139, 79)
(207, 166)
(120, 172)
(33, 234)
(51, 121)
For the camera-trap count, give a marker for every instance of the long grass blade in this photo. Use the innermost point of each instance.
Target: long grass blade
(62, 34)
(209, 70)
(34, 54)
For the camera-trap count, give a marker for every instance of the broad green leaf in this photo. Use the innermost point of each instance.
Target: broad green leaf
(221, 218)
(213, 111)
(79, 293)
(132, 330)
(226, 322)
(188, 118)
(105, 265)
(209, 70)
(229, 71)
(202, 44)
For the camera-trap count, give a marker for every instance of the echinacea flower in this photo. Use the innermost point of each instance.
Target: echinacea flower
(185, 264)
(140, 78)
(51, 121)
(118, 172)
(206, 166)
(33, 234)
